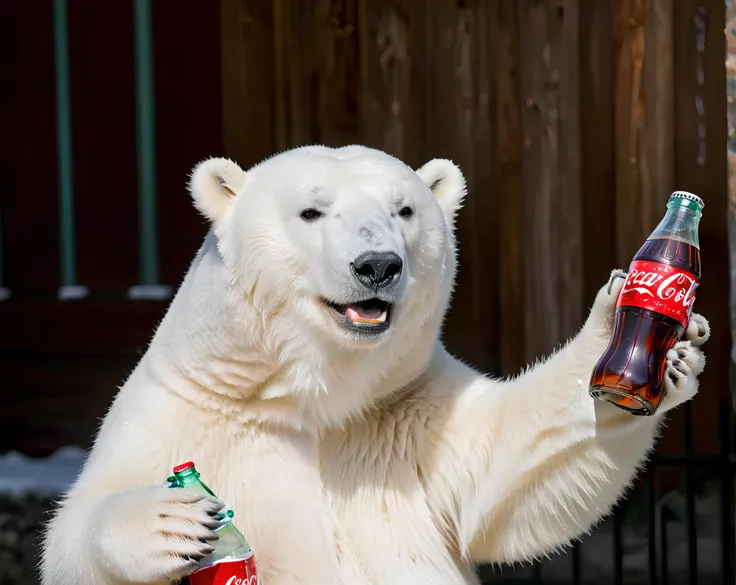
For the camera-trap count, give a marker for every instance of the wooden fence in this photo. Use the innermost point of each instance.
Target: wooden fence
(572, 120)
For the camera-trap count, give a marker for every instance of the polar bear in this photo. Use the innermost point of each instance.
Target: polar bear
(300, 365)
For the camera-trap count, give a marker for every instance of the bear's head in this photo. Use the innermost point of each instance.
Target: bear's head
(348, 254)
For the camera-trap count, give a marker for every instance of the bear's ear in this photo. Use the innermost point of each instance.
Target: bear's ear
(213, 185)
(447, 182)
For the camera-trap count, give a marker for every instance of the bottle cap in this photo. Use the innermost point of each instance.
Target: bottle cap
(689, 197)
(183, 467)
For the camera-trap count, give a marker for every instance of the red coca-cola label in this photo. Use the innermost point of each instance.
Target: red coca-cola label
(229, 572)
(660, 288)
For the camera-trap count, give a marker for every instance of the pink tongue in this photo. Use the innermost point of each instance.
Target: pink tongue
(356, 313)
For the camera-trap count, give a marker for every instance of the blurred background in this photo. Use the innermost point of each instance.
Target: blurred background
(573, 120)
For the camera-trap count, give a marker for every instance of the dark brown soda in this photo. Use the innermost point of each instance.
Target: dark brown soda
(631, 371)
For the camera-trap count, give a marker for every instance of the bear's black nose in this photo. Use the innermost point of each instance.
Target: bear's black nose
(377, 269)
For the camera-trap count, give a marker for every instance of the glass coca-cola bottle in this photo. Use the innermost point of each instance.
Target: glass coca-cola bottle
(652, 311)
(232, 562)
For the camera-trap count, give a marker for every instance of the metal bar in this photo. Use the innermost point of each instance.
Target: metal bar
(618, 548)
(2, 266)
(64, 146)
(692, 529)
(537, 573)
(4, 291)
(146, 143)
(575, 560)
(727, 494)
(651, 485)
(664, 569)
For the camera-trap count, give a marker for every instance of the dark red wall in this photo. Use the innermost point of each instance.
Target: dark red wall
(62, 362)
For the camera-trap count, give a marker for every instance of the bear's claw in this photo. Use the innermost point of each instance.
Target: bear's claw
(616, 273)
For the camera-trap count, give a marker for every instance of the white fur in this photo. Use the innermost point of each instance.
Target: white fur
(346, 461)
(214, 184)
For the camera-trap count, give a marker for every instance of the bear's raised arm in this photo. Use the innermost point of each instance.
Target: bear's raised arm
(520, 468)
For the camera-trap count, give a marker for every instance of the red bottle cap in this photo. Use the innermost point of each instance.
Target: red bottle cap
(183, 466)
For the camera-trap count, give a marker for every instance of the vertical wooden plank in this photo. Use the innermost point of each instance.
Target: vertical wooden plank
(644, 119)
(188, 120)
(701, 167)
(485, 200)
(104, 154)
(731, 154)
(658, 160)
(290, 126)
(553, 209)
(248, 80)
(569, 199)
(460, 127)
(629, 113)
(29, 195)
(598, 185)
(319, 71)
(337, 70)
(511, 259)
(392, 76)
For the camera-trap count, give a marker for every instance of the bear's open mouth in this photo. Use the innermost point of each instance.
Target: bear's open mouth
(369, 316)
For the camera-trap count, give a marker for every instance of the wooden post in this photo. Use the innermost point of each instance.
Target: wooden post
(509, 187)
(551, 167)
(249, 100)
(459, 121)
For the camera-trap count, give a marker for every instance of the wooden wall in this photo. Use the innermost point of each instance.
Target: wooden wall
(573, 120)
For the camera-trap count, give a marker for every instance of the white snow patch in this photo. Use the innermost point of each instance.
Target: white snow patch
(50, 475)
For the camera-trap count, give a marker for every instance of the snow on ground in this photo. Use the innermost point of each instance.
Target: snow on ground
(43, 476)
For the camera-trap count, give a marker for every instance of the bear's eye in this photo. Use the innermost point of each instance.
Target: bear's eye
(406, 212)
(310, 214)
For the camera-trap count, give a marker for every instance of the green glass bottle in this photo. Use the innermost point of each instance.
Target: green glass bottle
(231, 543)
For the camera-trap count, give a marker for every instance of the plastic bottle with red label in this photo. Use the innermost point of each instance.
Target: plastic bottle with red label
(652, 311)
(232, 562)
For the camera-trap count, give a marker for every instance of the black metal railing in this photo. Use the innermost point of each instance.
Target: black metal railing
(717, 566)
